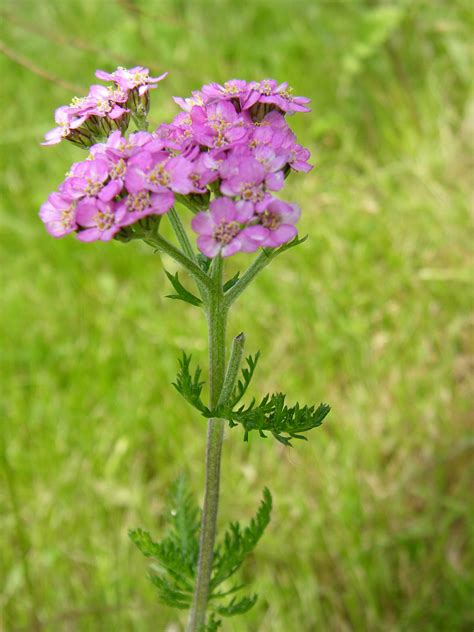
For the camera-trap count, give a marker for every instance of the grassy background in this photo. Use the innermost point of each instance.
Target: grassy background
(371, 526)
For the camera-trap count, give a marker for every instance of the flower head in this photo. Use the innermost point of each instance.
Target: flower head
(87, 179)
(157, 172)
(98, 220)
(275, 224)
(220, 229)
(116, 187)
(88, 119)
(131, 78)
(235, 90)
(231, 141)
(187, 104)
(218, 125)
(268, 95)
(59, 215)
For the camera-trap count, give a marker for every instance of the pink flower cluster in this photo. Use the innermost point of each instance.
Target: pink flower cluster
(231, 141)
(121, 182)
(104, 109)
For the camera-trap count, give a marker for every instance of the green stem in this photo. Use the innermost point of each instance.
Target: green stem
(233, 367)
(162, 244)
(185, 244)
(181, 233)
(260, 262)
(217, 318)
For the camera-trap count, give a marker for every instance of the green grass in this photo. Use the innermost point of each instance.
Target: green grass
(371, 526)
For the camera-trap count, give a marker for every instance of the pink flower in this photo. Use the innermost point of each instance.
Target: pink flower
(131, 78)
(102, 101)
(158, 172)
(205, 169)
(276, 225)
(235, 90)
(87, 180)
(59, 215)
(218, 125)
(298, 157)
(243, 176)
(220, 228)
(90, 118)
(187, 104)
(99, 220)
(269, 93)
(68, 128)
(178, 135)
(273, 163)
(142, 204)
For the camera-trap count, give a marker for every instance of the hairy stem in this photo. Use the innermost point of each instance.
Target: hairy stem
(259, 263)
(233, 367)
(185, 244)
(158, 241)
(217, 317)
(181, 234)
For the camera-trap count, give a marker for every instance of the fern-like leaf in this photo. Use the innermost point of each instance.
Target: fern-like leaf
(174, 558)
(237, 606)
(182, 294)
(231, 282)
(243, 384)
(190, 386)
(212, 625)
(238, 543)
(185, 520)
(284, 422)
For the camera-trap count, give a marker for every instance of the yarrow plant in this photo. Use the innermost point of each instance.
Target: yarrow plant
(223, 159)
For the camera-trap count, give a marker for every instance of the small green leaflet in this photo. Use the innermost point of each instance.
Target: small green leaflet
(182, 294)
(190, 386)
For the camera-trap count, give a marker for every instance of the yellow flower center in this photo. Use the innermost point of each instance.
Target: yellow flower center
(139, 202)
(67, 216)
(92, 187)
(160, 176)
(270, 220)
(225, 232)
(104, 220)
(118, 170)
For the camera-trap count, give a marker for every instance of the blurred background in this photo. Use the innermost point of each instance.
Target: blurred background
(370, 530)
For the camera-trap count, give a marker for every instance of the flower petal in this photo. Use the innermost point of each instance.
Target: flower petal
(222, 210)
(208, 246)
(203, 223)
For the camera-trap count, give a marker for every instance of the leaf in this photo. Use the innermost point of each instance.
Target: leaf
(204, 262)
(212, 625)
(273, 415)
(231, 282)
(185, 519)
(238, 543)
(169, 594)
(243, 384)
(297, 241)
(174, 558)
(237, 606)
(182, 294)
(189, 386)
